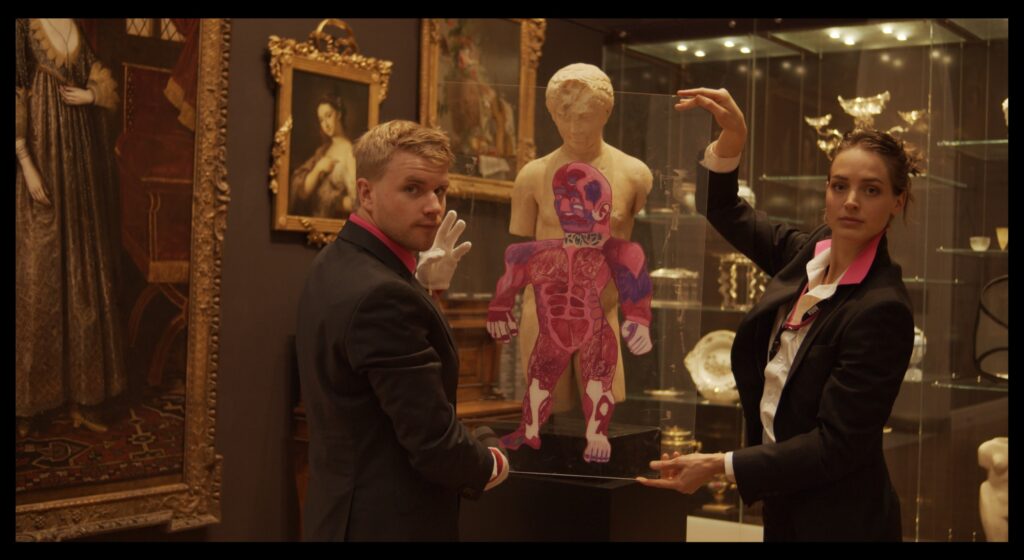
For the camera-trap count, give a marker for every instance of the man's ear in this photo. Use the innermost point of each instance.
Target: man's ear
(363, 190)
(601, 212)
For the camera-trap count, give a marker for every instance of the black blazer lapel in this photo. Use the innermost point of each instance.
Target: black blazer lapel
(356, 235)
(843, 292)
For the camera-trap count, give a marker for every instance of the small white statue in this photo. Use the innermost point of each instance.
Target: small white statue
(994, 496)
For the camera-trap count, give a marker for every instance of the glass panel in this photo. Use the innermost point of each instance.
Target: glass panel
(655, 399)
(942, 86)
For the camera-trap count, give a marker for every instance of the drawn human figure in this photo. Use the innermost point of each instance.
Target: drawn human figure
(324, 185)
(580, 99)
(568, 276)
(69, 345)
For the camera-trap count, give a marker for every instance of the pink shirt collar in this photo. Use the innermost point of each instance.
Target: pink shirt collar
(402, 253)
(860, 266)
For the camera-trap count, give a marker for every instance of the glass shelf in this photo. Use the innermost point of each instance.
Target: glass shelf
(678, 396)
(817, 182)
(692, 307)
(985, 150)
(979, 383)
(972, 252)
(666, 218)
(917, 280)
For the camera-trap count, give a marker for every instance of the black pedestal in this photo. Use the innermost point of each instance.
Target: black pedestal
(563, 440)
(534, 508)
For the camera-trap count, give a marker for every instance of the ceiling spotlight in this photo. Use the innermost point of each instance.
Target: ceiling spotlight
(936, 53)
(849, 41)
(800, 70)
(947, 59)
(742, 68)
(834, 34)
(901, 37)
(898, 63)
(745, 50)
(700, 54)
(786, 65)
(887, 29)
(729, 44)
(885, 57)
(682, 48)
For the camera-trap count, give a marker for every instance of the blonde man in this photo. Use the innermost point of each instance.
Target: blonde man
(388, 459)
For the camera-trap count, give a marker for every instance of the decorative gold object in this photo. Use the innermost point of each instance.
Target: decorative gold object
(913, 119)
(675, 288)
(828, 138)
(674, 438)
(1006, 111)
(718, 486)
(740, 282)
(320, 72)
(864, 109)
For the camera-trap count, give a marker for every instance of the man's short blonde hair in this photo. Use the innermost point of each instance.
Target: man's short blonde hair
(378, 145)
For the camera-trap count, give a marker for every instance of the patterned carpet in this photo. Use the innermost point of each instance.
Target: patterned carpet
(143, 439)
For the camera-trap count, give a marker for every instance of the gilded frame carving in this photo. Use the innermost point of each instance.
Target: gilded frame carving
(321, 61)
(195, 500)
(531, 39)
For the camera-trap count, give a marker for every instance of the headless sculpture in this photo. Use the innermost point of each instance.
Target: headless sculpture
(568, 276)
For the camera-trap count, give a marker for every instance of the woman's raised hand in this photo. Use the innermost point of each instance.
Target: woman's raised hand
(727, 114)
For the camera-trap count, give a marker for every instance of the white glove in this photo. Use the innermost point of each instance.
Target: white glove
(637, 337)
(437, 264)
(500, 470)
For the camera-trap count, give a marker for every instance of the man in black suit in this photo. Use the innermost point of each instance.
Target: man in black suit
(377, 362)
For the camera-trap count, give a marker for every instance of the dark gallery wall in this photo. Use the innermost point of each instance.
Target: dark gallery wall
(263, 270)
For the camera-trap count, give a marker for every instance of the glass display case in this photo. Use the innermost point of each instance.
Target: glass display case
(941, 85)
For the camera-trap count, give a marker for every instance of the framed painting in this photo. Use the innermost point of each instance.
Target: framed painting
(121, 204)
(328, 96)
(477, 83)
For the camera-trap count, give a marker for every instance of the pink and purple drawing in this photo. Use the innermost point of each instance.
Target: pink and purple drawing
(568, 276)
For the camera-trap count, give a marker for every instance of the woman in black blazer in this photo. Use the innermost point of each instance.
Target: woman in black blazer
(820, 358)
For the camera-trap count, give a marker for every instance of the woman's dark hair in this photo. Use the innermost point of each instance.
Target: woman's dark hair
(901, 160)
(336, 103)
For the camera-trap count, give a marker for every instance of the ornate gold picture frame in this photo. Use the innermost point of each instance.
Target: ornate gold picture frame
(477, 83)
(328, 95)
(184, 492)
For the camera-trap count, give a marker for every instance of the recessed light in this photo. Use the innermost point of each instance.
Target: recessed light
(700, 54)
(745, 50)
(834, 34)
(885, 57)
(887, 29)
(729, 44)
(682, 48)
(901, 37)
(849, 41)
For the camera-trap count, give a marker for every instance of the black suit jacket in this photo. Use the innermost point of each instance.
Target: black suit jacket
(379, 369)
(826, 477)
